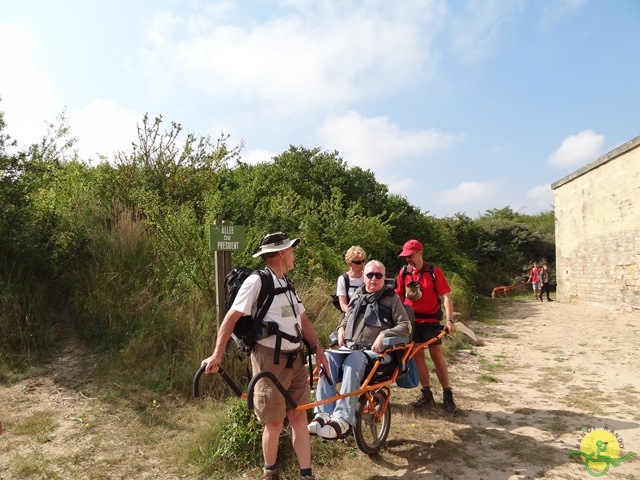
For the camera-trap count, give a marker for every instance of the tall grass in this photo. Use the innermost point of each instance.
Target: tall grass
(25, 329)
(114, 294)
(118, 305)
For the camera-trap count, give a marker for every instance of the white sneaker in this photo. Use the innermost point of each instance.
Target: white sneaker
(335, 428)
(319, 421)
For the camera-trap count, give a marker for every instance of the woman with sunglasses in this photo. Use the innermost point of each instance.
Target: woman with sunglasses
(350, 281)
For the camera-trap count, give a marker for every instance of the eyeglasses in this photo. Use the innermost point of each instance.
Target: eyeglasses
(378, 275)
(357, 262)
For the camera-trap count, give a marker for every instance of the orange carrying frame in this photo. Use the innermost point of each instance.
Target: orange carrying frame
(375, 396)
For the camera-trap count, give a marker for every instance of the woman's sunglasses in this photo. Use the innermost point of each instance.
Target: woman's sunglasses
(378, 275)
(357, 262)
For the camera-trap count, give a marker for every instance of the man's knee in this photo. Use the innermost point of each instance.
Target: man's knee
(297, 416)
(357, 361)
(436, 354)
(274, 427)
(419, 357)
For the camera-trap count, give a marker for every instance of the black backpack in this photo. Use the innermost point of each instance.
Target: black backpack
(249, 329)
(334, 297)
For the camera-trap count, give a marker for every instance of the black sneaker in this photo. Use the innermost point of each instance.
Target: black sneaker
(447, 401)
(424, 400)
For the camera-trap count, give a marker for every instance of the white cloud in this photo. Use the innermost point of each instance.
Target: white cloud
(577, 150)
(102, 128)
(376, 142)
(540, 198)
(316, 55)
(254, 157)
(27, 98)
(401, 185)
(482, 196)
(467, 192)
(30, 104)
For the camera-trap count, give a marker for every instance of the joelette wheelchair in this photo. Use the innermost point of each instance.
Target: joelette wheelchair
(373, 413)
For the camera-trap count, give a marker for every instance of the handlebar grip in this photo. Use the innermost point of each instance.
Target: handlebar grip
(223, 374)
(196, 381)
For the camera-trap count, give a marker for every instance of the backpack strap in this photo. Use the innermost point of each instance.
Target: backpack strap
(347, 285)
(402, 275)
(435, 290)
(433, 279)
(265, 299)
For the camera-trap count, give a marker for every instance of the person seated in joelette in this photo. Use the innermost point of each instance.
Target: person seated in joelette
(375, 312)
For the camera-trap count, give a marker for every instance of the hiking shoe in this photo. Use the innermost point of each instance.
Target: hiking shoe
(335, 428)
(319, 421)
(270, 475)
(424, 400)
(447, 401)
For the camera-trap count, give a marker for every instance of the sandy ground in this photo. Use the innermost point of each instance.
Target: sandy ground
(542, 374)
(545, 371)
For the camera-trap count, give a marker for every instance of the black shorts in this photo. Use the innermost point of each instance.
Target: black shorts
(423, 332)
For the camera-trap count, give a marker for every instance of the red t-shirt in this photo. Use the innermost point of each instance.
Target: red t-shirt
(428, 304)
(534, 275)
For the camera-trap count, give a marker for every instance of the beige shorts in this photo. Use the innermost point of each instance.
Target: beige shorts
(269, 404)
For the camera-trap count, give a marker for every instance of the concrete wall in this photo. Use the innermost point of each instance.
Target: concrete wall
(597, 222)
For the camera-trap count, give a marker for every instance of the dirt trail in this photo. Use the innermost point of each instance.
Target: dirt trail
(544, 372)
(58, 424)
(565, 367)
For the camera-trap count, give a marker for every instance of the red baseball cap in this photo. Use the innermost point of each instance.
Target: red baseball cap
(409, 247)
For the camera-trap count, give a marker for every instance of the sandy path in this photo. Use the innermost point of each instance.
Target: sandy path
(572, 367)
(546, 371)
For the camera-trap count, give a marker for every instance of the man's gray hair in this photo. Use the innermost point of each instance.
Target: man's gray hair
(376, 263)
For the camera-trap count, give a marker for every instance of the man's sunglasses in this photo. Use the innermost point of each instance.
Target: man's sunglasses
(378, 275)
(357, 262)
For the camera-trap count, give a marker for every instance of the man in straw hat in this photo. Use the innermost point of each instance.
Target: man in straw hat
(288, 312)
(421, 286)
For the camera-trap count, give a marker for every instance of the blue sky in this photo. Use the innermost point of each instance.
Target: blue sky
(459, 106)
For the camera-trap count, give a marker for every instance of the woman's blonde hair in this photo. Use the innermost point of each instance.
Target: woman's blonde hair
(354, 252)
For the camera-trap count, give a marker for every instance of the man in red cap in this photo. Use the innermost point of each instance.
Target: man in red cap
(424, 288)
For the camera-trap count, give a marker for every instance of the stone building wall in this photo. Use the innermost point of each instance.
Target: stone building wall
(597, 222)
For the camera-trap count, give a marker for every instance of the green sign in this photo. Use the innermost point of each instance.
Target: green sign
(228, 238)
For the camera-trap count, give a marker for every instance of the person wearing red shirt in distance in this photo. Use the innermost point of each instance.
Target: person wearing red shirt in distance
(415, 287)
(535, 280)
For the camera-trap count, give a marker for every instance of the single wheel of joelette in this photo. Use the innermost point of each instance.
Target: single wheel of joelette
(372, 428)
